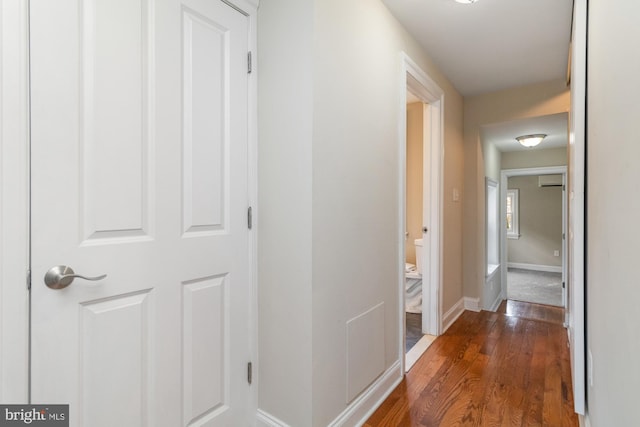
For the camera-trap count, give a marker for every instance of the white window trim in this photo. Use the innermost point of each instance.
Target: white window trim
(492, 254)
(514, 233)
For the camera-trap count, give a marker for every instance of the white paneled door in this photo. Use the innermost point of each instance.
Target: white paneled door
(139, 172)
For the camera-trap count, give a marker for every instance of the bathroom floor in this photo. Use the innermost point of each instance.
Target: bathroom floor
(416, 343)
(414, 330)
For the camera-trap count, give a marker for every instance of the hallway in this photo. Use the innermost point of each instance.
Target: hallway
(488, 369)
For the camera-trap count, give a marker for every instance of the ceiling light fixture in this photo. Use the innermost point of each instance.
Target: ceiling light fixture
(531, 140)
(466, 1)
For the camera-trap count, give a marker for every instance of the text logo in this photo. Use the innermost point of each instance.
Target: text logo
(34, 415)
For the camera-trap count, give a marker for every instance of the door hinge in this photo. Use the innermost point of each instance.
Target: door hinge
(563, 237)
(564, 187)
(249, 372)
(250, 218)
(249, 66)
(28, 280)
(563, 285)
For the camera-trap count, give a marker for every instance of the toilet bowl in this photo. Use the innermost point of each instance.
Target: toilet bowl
(418, 243)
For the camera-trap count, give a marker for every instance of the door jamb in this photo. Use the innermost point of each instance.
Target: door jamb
(14, 201)
(414, 79)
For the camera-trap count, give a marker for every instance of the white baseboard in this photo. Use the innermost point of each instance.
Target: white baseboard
(584, 420)
(264, 419)
(536, 267)
(496, 302)
(472, 304)
(452, 315)
(363, 406)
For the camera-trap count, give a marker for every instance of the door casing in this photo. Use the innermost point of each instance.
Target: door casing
(414, 79)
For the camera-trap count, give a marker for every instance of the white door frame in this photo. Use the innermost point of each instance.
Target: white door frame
(576, 230)
(418, 82)
(15, 198)
(14, 201)
(505, 174)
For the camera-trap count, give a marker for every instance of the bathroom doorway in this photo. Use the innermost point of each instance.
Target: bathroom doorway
(420, 211)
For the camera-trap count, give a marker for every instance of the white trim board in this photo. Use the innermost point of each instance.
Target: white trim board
(496, 303)
(576, 227)
(364, 405)
(264, 419)
(452, 314)
(584, 420)
(417, 81)
(417, 351)
(14, 201)
(536, 267)
(412, 78)
(472, 304)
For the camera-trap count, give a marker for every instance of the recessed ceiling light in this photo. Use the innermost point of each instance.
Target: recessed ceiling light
(466, 1)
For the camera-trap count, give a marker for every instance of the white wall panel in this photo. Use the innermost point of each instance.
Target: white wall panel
(365, 350)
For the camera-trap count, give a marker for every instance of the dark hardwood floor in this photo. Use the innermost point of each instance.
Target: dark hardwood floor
(488, 369)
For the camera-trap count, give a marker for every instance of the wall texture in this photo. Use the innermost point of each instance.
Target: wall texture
(329, 94)
(534, 158)
(415, 123)
(612, 211)
(356, 184)
(285, 105)
(540, 223)
(511, 104)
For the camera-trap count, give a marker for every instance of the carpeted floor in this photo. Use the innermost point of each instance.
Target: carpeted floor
(538, 287)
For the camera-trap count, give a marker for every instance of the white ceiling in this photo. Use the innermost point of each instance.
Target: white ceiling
(492, 44)
(503, 134)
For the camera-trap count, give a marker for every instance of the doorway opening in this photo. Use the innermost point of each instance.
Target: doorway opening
(420, 207)
(533, 235)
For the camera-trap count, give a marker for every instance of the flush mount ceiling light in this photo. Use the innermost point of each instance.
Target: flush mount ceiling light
(531, 140)
(466, 1)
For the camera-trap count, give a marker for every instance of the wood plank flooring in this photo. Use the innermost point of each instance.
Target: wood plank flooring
(545, 313)
(488, 369)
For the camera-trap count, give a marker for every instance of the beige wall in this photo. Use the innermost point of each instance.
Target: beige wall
(329, 183)
(511, 104)
(415, 123)
(540, 216)
(534, 158)
(613, 209)
(492, 160)
(356, 184)
(285, 130)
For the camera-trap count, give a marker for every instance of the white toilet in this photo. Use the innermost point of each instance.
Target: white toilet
(413, 283)
(418, 243)
(416, 273)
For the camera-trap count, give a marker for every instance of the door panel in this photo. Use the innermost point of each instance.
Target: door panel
(139, 171)
(114, 336)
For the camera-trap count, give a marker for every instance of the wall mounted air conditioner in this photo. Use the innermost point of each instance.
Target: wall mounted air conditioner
(550, 181)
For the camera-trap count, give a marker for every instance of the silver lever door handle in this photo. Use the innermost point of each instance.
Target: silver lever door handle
(61, 276)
